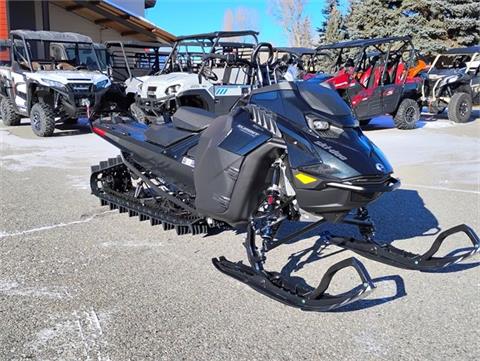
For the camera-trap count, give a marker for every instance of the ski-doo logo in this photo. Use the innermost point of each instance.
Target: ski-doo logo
(380, 167)
(247, 131)
(330, 150)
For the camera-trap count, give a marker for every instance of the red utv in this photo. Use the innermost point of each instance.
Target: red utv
(377, 76)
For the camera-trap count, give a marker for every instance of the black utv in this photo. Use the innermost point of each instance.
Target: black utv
(453, 82)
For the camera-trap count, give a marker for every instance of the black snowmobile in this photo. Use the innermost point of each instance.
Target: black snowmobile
(288, 148)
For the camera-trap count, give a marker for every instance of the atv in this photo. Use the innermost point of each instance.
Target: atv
(129, 64)
(377, 76)
(50, 76)
(205, 71)
(285, 150)
(453, 81)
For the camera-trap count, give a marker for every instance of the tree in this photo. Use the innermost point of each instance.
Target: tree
(373, 18)
(240, 18)
(440, 24)
(434, 24)
(297, 26)
(333, 27)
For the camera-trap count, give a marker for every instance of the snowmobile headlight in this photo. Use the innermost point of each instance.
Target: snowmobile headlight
(102, 84)
(316, 123)
(54, 83)
(173, 89)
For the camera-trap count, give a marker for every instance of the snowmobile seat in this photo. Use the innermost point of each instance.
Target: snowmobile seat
(165, 135)
(192, 119)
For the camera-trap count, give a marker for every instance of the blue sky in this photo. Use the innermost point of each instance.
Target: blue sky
(183, 17)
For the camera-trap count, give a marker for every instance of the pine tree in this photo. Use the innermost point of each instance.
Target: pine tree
(373, 18)
(333, 27)
(434, 24)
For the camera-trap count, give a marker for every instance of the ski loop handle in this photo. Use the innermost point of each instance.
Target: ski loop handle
(367, 282)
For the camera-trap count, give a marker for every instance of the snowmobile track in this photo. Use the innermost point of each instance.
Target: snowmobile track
(125, 203)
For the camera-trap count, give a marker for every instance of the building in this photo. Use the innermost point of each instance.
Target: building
(101, 20)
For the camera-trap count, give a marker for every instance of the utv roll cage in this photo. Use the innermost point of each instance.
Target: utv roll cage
(363, 44)
(472, 64)
(138, 58)
(46, 38)
(204, 41)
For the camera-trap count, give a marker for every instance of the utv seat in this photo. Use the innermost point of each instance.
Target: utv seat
(192, 119)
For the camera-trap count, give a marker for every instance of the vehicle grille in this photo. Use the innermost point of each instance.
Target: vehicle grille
(81, 88)
(151, 91)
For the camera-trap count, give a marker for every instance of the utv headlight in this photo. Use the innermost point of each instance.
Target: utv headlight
(54, 83)
(173, 89)
(102, 84)
(315, 123)
(453, 79)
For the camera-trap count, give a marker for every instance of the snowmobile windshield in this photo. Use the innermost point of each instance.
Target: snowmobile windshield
(326, 101)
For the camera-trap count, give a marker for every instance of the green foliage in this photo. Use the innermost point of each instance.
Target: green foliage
(333, 27)
(434, 24)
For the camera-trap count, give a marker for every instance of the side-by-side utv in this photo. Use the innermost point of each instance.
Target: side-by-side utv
(453, 82)
(376, 77)
(208, 71)
(129, 64)
(50, 77)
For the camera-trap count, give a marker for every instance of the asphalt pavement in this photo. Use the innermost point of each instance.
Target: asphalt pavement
(80, 282)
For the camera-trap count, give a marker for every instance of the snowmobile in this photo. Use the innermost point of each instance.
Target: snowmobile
(288, 148)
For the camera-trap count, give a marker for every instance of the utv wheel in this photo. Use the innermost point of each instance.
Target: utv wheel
(42, 119)
(460, 107)
(408, 113)
(138, 114)
(7, 111)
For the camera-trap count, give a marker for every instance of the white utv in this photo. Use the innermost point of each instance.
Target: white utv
(50, 77)
(210, 71)
(128, 64)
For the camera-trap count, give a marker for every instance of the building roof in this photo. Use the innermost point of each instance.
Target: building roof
(104, 13)
(52, 36)
(363, 42)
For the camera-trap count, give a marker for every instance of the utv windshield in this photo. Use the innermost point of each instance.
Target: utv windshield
(451, 63)
(45, 55)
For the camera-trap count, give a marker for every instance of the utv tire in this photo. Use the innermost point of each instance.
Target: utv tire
(138, 114)
(364, 122)
(408, 113)
(460, 108)
(42, 118)
(7, 111)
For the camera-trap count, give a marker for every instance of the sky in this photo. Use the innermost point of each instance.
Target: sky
(184, 17)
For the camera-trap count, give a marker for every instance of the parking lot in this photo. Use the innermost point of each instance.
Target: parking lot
(81, 282)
